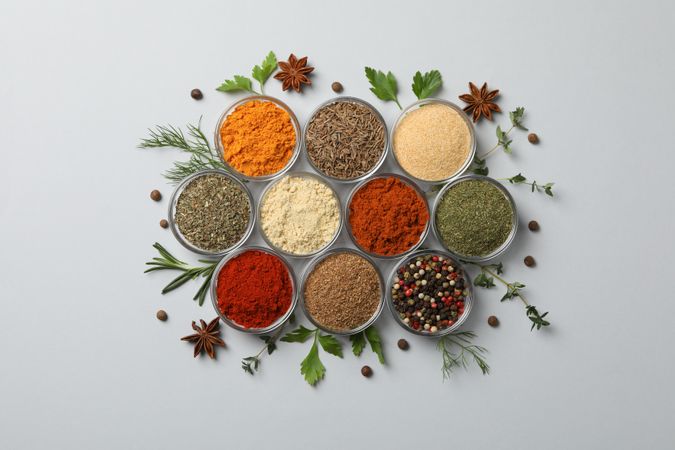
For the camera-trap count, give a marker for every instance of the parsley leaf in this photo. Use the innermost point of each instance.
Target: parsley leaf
(240, 83)
(383, 86)
(330, 344)
(312, 367)
(262, 72)
(358, 343)
(426, 85)
(375, 342)
(300, 334)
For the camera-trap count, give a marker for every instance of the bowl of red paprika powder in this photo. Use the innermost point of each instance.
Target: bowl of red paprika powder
(253, 290)
(387, 216)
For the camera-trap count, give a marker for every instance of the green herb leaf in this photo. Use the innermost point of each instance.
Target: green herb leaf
(426, 85)
(537, 320)
(311, 367)
(456, 349)
(262, 72)
(517, 179)
(483, 280)
(512, 290)
(481, 171)
(383, 86)
(375, 342)
(358, 343)
(517, 117)
(300, 334)
(330, 344)
(240, 83)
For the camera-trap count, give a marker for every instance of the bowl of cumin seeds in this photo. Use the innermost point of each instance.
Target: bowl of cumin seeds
(346, 139)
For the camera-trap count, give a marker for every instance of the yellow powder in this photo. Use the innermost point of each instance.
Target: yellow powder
(299, 215)
(432, 143)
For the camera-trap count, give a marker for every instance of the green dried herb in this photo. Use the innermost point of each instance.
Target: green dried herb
(474, 218)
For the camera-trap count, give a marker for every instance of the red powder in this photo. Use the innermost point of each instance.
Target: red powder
(254, 289)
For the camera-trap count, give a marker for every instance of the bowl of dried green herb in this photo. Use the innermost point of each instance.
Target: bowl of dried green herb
(211, 212)
(475, 218)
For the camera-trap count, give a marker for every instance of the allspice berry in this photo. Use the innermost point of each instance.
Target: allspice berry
(533, 225)
(403, 344)
(156, 195)
(336, 87)
(164, 223)
(533, 138)
(196, 94)
(366, 371)
(529, 261)
(162, 315)
(493, 321)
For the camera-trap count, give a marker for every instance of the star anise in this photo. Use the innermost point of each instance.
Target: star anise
(293, 74)
(480, 101)
(206, 337)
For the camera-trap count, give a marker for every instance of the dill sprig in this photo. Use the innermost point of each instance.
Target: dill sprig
(202, 155)
(458, 351)
(169, 262)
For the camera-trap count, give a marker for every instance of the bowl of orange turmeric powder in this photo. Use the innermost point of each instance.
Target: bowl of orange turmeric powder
(257, 138)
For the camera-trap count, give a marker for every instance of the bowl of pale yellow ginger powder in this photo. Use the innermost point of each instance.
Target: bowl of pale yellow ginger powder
(433, 140)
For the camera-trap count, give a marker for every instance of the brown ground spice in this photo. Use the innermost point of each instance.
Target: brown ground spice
(342, 292)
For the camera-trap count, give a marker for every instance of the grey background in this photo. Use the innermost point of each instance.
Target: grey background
(86, 365)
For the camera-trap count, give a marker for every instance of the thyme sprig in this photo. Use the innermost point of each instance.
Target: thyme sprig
(503, 141)
(202, 155)
(251, 364)
(520, 179)
(486, 279)
(458, 351)
(169, 262)
(311, 367)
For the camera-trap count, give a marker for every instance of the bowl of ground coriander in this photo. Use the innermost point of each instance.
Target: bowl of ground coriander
(258, 138)
(342, 291)
(429, 293)
(387, 215)
(345, 139)
(433, 140)
(253, 290)
(475, 218)
(211, 213)
(299, 214)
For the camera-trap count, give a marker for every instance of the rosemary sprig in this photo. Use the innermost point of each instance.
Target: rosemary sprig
(169, 262)
(202, 155)
(520, 179)
(457, 351)
(311, 367)
(486, 279)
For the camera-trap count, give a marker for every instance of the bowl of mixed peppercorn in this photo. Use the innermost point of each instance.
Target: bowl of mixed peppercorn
(429, 293)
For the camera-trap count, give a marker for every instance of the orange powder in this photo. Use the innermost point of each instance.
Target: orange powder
(258, 138)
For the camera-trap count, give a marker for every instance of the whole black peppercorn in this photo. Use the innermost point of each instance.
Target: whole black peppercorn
(162, 315)
(533, 138)
(403, 344)
(164, 223)
(529, 261)
(493, 321)
(336, 87)
(366, 371)
(196, 94)
(533, 225)
(156, 195)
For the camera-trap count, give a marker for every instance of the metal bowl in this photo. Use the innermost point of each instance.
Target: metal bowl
(310, 268)
(214, 292)
(468, 301)
(264, 98)
(172, 213)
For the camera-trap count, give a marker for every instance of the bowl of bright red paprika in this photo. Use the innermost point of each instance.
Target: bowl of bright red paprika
(430, 293)
(253, 290)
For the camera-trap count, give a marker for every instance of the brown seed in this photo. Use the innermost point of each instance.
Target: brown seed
(366, 371)
(529, 261)
(533, 138)
(164, 223)
(162, 315)
(156, 195)
(493, 321)
(533, 225)
(403, 344)
(336, 87)
(196, 94)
